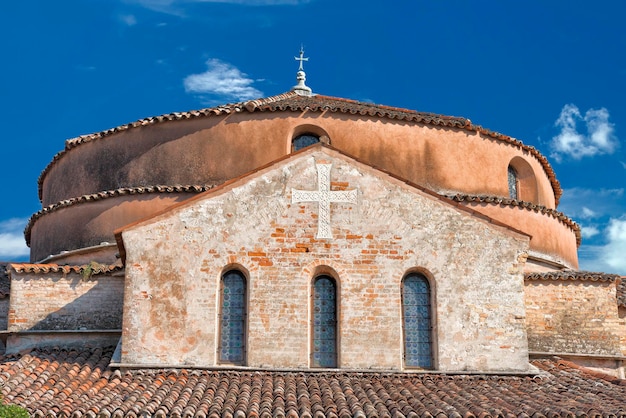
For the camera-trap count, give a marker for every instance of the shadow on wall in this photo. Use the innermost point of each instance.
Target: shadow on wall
(97, 308)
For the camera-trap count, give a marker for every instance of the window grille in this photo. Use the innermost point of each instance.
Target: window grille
(417, 319)
(233, 318)
(324, 322)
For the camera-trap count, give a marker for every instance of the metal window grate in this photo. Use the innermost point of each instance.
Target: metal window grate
(417, 321)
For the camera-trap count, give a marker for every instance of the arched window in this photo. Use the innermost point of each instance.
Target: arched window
(324, 350)
(232, 344)
(513, 180)
(417, 318)
(303, 141)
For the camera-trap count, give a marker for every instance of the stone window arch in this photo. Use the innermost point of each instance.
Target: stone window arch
(233, 318)
(324, 322)
(522, 183)
(417, 321)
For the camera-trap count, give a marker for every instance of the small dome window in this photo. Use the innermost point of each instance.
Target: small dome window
(513, 180)
(303, 141)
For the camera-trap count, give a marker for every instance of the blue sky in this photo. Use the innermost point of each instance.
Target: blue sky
(552, 74)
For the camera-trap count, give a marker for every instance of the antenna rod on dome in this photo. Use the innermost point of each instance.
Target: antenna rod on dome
(301, 88)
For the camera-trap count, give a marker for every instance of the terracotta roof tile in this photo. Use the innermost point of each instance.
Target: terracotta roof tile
(92, 268)
(572, 275)
(108, 194)
(68, 383)
(291, 101)
(496, 200)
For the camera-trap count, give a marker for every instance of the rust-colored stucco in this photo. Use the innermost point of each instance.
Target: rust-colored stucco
(216, 148)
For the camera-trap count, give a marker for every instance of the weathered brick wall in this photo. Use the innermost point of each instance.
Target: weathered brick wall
(55, 301)
(4, 312)
(174, 263)
(573, 316)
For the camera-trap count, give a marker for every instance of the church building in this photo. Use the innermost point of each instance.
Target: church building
(304, 255)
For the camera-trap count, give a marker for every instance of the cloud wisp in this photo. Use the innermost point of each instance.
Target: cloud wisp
(176, 7)
(12, 243)
(221, 81)
(598, 139)
(615, 250)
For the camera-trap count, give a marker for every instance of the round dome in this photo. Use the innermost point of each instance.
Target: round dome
(133, 171)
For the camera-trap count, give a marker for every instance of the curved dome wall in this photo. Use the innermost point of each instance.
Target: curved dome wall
(91, 222)
(445, 154)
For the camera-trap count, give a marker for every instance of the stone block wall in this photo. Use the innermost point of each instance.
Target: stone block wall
(59, 301)
(174, 263)
(573, 316)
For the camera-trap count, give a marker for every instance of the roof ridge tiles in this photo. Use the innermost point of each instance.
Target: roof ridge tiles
(92, 269)
(105, 194)
(506, 201)
(572, 275)
(314, 103)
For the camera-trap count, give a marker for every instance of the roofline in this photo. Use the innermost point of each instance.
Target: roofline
(497, 200)
(474, 213)
(194, 188)
(265, 104)
(91, 269)
(573, 275)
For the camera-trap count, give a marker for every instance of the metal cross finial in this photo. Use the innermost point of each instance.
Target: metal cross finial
(301, 58)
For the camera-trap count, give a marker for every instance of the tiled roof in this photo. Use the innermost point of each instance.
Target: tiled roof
(572, 275)
(111, 193)
(90, 269)
(496, 200)
(291, 101)
(63, 383)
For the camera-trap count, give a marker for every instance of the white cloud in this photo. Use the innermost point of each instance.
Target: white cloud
(587, 213)
(599, 138)
(174, 7)
(615, 250)
(128, 20)
(623, 164)
(221, 80)
(581, 203)
(609, 257)
(589, 231)
(12, 243)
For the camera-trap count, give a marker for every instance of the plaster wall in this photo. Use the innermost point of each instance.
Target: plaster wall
(175, 261)
(573, 317)
(54, 301)
(215, 149)
(92, 222)
(549, 236)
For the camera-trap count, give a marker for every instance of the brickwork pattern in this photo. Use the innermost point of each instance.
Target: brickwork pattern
(573, 316)
(58, 301)
(174, 265)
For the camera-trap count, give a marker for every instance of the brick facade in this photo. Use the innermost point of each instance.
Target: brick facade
(573, 316)
(174, 263)
(57, 301)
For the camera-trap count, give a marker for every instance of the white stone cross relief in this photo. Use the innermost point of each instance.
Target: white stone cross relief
(324, 196)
